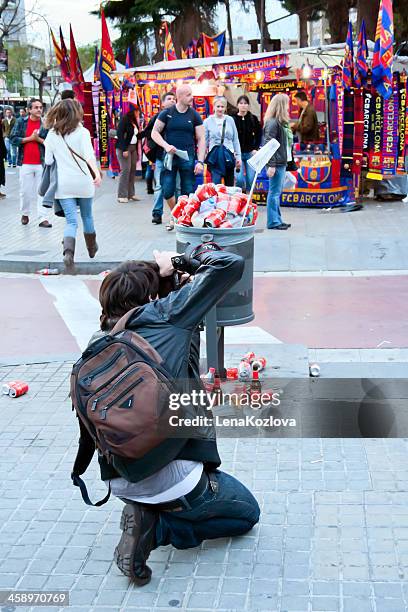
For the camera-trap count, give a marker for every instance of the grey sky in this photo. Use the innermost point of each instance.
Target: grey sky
(86, 27)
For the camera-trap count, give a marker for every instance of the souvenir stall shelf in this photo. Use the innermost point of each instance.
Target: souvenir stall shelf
(358, 129)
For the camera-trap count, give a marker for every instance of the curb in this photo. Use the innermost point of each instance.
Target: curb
(31, 267)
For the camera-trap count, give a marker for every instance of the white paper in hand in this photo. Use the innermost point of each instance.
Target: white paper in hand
(182, 154)
(261, 157)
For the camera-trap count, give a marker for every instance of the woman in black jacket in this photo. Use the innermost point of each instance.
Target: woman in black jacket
(126, 146)
(250, 135)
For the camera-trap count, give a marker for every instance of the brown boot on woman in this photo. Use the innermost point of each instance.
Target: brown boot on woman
(69, 252)
(91, 244)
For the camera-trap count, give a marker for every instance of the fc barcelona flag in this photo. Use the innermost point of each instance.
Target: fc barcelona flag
(214, 46)
(64, 66)
(107, 59)
(169, 52)
(128, 61)
(348, 65)
(361, 65)
(384, 50)
(76, 69)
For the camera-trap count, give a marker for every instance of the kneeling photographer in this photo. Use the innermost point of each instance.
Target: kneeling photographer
(174, 493)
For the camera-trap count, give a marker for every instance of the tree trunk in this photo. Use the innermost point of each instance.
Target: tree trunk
(229, 26)
(338, 18)
(186, 27)
(259, 6)
(368, 10)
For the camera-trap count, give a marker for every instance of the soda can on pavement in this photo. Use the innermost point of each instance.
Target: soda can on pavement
(232, 373)
(314, 370)
(18, 388)
(244, 370)
(258, 364)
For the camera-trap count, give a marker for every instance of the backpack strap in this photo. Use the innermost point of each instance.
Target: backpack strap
(86, 449)
(121, 325)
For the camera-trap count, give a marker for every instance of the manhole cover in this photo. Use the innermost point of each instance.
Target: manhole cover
(26, 253)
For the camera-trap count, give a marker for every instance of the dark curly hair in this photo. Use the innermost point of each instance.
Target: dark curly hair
(131, 284)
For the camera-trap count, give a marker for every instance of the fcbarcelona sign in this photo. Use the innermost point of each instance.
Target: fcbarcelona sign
(266, 63)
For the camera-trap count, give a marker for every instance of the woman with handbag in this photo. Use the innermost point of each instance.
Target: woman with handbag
(224, 150)
(128, 134)
(276, 125)
(70, 145)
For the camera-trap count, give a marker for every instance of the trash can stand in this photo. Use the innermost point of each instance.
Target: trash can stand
(236, 307)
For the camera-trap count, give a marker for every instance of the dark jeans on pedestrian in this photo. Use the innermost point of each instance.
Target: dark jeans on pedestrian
(185, 168)
(126, 187)
(231, 510)
(228, 177)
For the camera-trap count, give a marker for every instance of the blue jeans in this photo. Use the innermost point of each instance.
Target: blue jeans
(11, 152)
(245, 182)
(158, 192)
(187, 178)
(230, 511)
(273, 215)
(69, 206)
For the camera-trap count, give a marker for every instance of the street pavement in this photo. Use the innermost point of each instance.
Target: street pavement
(333, 534)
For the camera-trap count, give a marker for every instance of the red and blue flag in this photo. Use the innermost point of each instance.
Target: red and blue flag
(348, 63)
(384, 50)
(128, 61)
(361, 64)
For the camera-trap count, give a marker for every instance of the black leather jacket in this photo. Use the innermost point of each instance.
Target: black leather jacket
(273, 129)
(170, 325)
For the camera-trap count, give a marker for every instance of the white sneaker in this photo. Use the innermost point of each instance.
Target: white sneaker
(123, 200)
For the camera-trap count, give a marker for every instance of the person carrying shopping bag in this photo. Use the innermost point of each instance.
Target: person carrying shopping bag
(276, 125)
(70, 145)
(224, 150)
(127, 150)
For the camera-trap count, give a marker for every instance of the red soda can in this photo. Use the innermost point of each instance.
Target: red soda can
(258, 364)
(178, 209)
(17, 388)
(226, 224)
(238, 203)
(193, 199)
(249, 357)
(215, 218)
(184, 219)
(190, 209)
(232, 373)
(203, 192)
(221, 189)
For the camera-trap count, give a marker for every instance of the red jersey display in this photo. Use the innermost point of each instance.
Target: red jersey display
(32, 153)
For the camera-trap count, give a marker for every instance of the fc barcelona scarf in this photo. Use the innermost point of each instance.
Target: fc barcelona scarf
(390, 133)
(375, 137)
(103, 132)
(402, 122)
(358, 131)
(348, 135)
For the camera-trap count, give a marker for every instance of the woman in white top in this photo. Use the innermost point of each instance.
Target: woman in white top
(127, 150)
(69, 144)
(220, 129)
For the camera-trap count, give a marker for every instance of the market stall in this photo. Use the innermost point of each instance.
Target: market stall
(358, 130)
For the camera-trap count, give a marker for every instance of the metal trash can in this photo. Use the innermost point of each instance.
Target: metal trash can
(236, 307)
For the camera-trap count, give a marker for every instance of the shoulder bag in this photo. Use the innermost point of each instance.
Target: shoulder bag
(220, 156)
(76, 155)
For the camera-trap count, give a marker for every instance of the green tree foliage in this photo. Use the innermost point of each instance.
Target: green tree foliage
(87, 54)
(139, 21)
(18, 60)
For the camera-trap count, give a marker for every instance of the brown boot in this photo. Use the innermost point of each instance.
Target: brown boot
(68, 252)
(91, 244)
